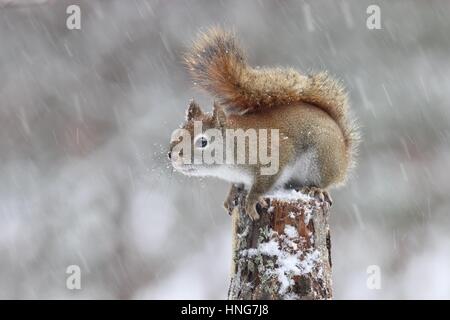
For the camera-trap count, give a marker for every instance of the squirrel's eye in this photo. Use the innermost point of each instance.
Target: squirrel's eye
(201, 142)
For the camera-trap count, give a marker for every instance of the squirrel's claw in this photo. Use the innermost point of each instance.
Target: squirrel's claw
(229, 204)
(317, 193)
(263, 203)
(250, 209)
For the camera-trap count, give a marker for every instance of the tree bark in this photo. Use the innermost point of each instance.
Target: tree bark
(286, 253)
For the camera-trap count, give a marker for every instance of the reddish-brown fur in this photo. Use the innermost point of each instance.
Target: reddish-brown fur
(311, 111)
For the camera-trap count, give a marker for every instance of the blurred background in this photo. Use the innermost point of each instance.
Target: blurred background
(86, 116)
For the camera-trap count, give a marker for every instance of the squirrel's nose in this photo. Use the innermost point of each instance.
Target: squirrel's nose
(169, 155)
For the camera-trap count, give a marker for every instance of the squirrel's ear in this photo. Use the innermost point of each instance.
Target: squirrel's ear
(193, 111)
(219, 115)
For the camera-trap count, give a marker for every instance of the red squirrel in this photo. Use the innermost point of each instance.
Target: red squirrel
(318, 138)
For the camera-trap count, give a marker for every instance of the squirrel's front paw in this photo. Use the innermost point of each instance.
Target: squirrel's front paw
(229, 204)
(250, 209)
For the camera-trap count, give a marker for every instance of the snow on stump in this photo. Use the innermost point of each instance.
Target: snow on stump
(286, 253)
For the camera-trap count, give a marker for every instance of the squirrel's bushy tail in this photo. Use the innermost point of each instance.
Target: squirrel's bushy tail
(218, 65)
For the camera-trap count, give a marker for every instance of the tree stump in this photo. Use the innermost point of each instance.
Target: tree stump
(286, 253)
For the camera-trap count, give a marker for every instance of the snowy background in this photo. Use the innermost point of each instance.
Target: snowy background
(86, 115)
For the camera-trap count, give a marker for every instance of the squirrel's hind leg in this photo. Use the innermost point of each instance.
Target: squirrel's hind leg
(261, 185)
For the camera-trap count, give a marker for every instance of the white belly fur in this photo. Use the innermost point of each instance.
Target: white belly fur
(233, 175)
(304, 170)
